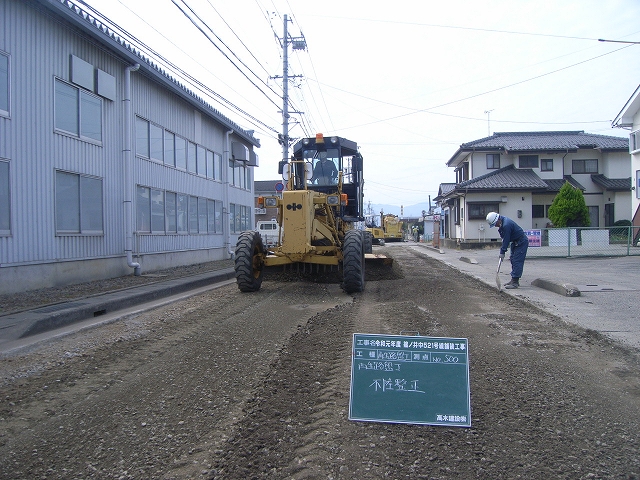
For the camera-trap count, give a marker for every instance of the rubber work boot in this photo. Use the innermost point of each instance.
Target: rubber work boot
(514, 283)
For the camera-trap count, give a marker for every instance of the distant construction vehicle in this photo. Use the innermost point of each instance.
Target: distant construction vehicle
(393, 228)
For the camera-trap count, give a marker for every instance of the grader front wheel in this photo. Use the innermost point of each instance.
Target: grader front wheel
(353, 262)
(249, 261)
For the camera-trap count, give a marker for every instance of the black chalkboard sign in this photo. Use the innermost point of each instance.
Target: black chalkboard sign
(410, 379)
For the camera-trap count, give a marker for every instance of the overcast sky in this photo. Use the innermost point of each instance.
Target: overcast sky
(409, 81)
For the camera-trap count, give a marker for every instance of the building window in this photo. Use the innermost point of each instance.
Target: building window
(150, 210)
(584, 166)
(171, 212)
(546, 165)
(217, 166)
(78, 201)
(142, 137)
(5, 199)
(528, 161)
(157, 211)
(211, 216)
(4, 84)
(192, 165)
(182, 209)
(181, 153)
(493, 160)
(156, 143)
(202, 161)
(169, 149)
(210, 164)
(239, 218)
(479, 211)
(77, 112)
(193, 214)
(202, 215)
(634, 140)
(161, 212)
(218, 214)
(537, 211)
(143, 209)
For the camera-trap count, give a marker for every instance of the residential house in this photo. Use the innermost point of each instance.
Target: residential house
(629, 118)
(108, 164)
(518, 175)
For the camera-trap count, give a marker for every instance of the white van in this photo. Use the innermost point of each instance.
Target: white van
(269, 231)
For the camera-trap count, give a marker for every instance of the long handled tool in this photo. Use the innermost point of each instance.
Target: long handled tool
(498, 275)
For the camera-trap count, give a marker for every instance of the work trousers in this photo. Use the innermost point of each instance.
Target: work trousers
(518, 255)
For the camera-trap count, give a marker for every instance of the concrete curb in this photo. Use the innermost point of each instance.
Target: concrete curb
(564, 289)
(473, 261)
(24, 324)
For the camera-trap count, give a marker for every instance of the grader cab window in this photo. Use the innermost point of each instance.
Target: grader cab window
(325, 166)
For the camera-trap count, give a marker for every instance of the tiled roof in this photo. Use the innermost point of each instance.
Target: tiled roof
(616, 184)
(541, 142)
(444, 190)
(556, 184)
(506, 178)
(548, 141)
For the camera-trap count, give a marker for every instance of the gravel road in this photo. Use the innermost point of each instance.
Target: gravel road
(227, 385)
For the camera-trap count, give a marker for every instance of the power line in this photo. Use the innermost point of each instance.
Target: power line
(175, 2)
(456, 27)
(425, 110)
(192, 80)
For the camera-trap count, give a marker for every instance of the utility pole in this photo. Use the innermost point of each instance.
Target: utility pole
(298, 43)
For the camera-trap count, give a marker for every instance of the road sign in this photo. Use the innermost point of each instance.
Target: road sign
(410, 379)
(279, 187)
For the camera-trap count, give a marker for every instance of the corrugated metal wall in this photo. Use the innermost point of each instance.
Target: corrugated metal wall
(40, 48)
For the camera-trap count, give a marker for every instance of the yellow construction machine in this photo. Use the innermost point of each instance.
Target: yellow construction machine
(317, 212)
(392, 227)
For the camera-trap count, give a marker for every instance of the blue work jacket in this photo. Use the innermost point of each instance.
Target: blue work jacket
(510, 231)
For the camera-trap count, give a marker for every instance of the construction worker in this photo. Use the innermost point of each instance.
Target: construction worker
(511, 233)
(325, 171)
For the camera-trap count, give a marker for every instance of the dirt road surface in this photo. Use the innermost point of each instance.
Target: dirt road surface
(228, 385)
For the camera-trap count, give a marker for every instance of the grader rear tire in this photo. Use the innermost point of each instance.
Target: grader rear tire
(368, 241)
(353, 262)
(249, 263)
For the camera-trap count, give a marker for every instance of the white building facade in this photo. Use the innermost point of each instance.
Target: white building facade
(108, 165)
(629, 118)
(518, 174)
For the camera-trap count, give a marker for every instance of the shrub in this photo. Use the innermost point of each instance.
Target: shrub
(620, 233)
(569, 208)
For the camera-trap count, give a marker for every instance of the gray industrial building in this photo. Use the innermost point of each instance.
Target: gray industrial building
(108, 165)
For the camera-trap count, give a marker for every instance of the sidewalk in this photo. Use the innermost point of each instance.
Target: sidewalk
(31, 322)
(609, 287)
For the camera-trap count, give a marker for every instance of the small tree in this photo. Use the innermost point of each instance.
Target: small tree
(569, 208)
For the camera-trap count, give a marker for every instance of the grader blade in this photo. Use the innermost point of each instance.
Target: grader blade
(377, 259)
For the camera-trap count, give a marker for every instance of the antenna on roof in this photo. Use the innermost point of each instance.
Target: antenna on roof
(488, 112)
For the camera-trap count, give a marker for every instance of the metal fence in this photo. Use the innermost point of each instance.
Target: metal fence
(584, 242)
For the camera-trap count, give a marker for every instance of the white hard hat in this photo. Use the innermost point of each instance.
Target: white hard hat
(492, 218)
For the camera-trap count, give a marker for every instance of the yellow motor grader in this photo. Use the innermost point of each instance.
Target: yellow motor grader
(317, 211)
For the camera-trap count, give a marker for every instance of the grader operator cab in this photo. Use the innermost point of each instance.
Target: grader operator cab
(318, 209)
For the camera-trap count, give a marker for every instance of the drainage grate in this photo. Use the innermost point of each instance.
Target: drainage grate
(60, 306)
